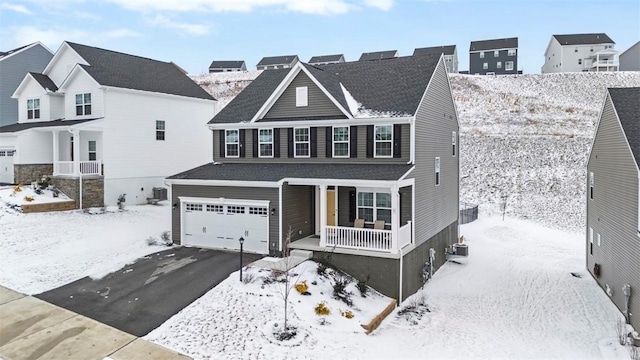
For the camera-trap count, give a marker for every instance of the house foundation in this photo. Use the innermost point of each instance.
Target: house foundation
(92, 190)
(27, 173)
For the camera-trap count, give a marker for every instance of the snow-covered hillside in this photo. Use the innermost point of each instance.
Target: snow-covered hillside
(524, 138)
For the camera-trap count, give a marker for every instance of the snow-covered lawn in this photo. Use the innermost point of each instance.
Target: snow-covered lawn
(513, 298)
(16, 195)
(42, 251)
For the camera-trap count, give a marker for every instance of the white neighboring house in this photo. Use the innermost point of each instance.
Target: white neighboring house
(120, 122)
(580, 52)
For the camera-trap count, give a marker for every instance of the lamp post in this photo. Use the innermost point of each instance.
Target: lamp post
(241, 240)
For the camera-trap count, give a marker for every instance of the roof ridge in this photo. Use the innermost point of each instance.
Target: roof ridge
(118, 52)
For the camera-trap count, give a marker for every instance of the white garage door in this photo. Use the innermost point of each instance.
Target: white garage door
(220, 225)
(6, 166)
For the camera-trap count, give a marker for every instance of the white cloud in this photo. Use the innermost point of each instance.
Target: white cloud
(52, 38)
(385, 5)
(193, 29)
(324, 7)
(121, 33)
(17, 8)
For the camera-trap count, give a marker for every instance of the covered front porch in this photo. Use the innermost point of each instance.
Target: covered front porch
(77, 152)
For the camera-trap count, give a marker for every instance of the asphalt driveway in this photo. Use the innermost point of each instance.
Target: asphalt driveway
(141, 296)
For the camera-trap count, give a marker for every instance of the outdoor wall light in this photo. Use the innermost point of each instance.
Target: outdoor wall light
(175, 205)
(273, 211)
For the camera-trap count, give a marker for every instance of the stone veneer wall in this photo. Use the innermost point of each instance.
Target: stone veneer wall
(92, 189)
(27, 173)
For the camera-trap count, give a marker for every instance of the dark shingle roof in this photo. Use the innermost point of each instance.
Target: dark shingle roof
(111, 68)
(393, 87)
(582, 39)
(31, 125)
(379, 55)
(226, 64)
(44, 81)
(493, 44)
(277, 60)
(437, 50)
(325, 58)
(627, 104)
(271, 173)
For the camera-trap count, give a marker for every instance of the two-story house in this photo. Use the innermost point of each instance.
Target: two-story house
(227, 65)
(326, 59)
(277, 62)
(493, 57)
(613, 191)
(119, 122)
(378, 55)
(450, 55)
(580, 52)
(357, 161)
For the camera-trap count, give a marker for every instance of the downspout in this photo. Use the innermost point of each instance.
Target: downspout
(626, 290)
(400, 288)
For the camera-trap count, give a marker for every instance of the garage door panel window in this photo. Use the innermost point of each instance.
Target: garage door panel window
(193, 207)
(215, 208)
(258, 211)
(235, 209)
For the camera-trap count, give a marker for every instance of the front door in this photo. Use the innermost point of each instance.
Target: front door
(331, 207)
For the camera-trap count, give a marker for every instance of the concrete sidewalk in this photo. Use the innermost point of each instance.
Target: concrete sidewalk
(34, 329)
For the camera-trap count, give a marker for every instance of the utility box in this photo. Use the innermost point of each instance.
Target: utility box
(160, 193)
(461, 249)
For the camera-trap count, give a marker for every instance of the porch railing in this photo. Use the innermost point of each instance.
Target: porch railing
(358, 238)
(86, 167)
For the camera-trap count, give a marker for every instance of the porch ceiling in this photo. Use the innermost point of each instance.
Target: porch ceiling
(277, 171)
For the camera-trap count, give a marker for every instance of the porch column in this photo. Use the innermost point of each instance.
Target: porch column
(395, 218)
(56, 150)
(76, 152)
(323, 215)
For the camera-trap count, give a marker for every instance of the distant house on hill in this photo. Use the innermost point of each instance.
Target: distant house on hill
(379, 55)
(613, 190)
(580, 52)
(493, 57)
(277, 62)
(326, 59)
(450, 53)
(225, 66)
(630, 58)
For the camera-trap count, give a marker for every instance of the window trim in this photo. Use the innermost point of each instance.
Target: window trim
(296, 142)
(95, 150)
(302, 96)
(374, 206)
(33, 109)
(162, 130)
(227, 143)
(376, 141)
(438, 179)
(260, 142)
(84, 105)
(334, 142)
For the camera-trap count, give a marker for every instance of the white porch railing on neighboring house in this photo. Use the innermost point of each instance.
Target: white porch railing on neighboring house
(86, 167)
(358, 238)
(404, 235)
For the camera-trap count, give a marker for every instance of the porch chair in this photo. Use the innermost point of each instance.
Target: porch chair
(358, 223)
(378, 225)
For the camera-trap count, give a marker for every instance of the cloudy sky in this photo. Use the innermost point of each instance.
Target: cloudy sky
(192, 33)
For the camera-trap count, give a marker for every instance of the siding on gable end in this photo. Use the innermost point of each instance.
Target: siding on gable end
(319, 103)
(437, 206)
(613, 212)
(229, 192)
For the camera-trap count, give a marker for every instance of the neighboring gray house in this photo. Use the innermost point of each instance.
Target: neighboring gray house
(227, 65)
(277, 62)
(630, 58)
(357, 161)
(493, 57)
(379, 55)
(326, 59)
(450, 53)
(14, 66)
(613, 218)
(580, 52)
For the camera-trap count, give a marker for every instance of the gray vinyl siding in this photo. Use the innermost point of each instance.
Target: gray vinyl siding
(405, 205)
(343, 206)
(318, 102)
(12, 71)
(630, 59)
(245, 193)
(613, 212)
(298, 211)
(436, 206)
(476, 63)
(405, 143)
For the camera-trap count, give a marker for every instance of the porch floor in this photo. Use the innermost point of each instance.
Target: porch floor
(312, 243)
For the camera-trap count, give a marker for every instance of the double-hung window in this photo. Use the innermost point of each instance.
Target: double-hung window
(485, 66)
(92, 150)
(33, 109)
(511, 52)
(591, 185)
(232, 143)
(508, 65)
(301, 142)
(499, 64)
(160, 129)
(265, 142)
(83, 104)
(437, 167)
(374, 206)
(383, 141)
(481, 54)
(341, 141)
(454, 142)
(496, 53)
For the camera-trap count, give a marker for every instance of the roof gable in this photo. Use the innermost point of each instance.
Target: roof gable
(626, 102)
(13, 52)
(379, 55)
(583, 39)
(494, 44)
(435, 50)
(277, 60)
(42, 80)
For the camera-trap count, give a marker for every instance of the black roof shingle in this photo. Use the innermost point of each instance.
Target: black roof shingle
(493, 44)
(111, 68)
(627, 104)
(226, 64)
(583, 39)
(277, 60)
(378, 55)
(44, 81)
(437, 50)
(325, 58)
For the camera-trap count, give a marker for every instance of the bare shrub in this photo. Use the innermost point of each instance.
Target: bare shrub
(151, 241)
(634, 352)
(165, 236)
(248, 278)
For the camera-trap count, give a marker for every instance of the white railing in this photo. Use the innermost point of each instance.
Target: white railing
(604, 63)
(358, 238)
(86, 167)
(404, 235)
